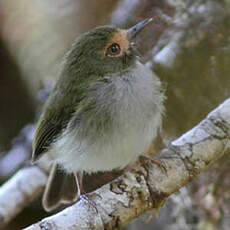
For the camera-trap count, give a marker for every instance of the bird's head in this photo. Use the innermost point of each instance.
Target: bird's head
(105, 50)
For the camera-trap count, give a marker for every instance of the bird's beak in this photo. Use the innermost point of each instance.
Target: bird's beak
(134, 30)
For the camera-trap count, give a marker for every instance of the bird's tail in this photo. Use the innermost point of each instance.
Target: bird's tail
(61, 188)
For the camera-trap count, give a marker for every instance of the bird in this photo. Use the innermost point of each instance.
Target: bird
(102, 114)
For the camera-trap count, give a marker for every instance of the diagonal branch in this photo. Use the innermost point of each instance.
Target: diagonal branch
(19, 191)
(147, 186)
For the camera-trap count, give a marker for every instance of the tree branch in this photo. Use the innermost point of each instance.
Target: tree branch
(19, 191)
(147, 186)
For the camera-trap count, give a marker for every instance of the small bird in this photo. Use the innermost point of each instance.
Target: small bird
(103, 112)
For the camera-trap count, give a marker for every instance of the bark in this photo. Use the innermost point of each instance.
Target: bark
(146, 186)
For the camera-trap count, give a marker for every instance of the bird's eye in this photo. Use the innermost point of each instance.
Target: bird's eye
(113, 50)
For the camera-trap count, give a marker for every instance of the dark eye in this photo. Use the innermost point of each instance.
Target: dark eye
(113, 50)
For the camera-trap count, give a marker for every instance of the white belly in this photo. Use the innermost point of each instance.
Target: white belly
(137, 118)
(109, 152)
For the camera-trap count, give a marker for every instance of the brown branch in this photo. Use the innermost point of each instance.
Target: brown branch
(148, 186)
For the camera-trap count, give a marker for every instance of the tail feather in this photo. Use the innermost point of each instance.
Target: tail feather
(61, 188)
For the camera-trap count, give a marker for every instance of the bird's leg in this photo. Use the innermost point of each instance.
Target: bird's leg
(79, 181)
(81, 193)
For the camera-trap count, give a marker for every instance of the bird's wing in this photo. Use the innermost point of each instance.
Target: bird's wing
(45, 134)
(59, 109)
(56, 115)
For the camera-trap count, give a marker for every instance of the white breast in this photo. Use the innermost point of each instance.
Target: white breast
(137, 108)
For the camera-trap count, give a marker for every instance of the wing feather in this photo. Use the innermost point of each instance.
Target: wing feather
(45, 135)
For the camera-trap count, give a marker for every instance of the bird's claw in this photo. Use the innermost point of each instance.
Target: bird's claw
(88, 196)
(161, 164)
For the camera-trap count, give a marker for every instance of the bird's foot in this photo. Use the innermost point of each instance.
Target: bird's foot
(143, 159)
(88, 198)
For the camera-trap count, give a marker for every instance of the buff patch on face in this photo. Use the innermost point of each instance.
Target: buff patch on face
(120, 38)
